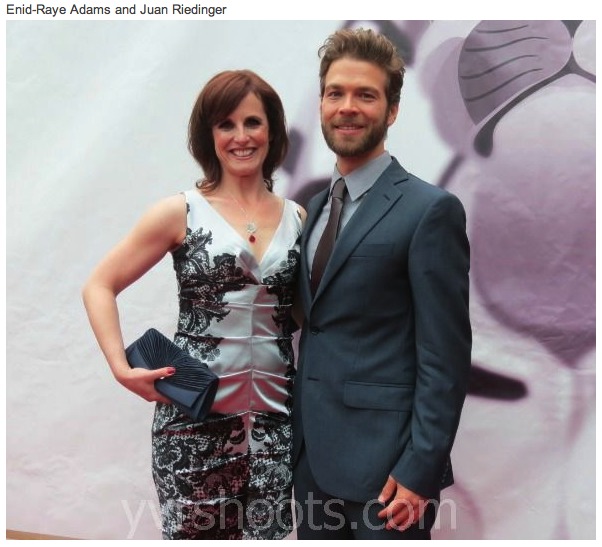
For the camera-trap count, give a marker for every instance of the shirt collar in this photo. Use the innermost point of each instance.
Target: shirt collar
(360, 180)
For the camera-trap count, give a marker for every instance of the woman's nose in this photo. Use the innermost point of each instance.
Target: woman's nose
(240, 134)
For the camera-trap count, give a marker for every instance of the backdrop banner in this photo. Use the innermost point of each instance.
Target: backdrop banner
(501, 113)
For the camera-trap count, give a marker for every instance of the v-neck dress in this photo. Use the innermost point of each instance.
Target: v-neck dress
(230, 476)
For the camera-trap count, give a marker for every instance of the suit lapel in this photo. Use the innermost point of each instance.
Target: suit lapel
(375, 205)
(314, 208)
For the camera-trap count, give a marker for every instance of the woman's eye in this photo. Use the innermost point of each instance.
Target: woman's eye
(225, 125)
(253, 122)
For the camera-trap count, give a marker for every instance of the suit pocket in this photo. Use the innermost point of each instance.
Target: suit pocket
(378, 396)
(373, 249)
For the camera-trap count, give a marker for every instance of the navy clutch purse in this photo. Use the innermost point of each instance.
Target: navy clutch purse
(192, 388)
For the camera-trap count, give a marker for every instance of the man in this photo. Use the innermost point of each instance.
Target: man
(385, 348)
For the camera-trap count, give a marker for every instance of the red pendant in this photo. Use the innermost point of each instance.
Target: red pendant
(252, 238)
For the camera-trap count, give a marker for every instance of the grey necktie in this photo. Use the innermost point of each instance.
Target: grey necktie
(329, 235)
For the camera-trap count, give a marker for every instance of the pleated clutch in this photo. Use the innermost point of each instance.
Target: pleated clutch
(192, 388)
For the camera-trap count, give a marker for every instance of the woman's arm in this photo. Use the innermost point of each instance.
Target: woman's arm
(161, 229)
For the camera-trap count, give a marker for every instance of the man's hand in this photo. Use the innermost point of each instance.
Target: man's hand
(402, 506)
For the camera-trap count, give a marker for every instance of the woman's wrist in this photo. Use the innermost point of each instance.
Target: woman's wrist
(121, 372)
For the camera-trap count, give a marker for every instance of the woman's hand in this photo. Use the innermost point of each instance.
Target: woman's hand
(142, 382)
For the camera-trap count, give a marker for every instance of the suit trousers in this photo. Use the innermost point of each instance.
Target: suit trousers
(322, 516)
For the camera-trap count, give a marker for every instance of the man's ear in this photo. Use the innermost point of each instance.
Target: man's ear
(392, 116)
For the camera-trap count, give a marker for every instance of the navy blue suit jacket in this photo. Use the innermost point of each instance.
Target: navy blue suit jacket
(385, 351)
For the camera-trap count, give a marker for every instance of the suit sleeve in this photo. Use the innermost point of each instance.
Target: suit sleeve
(439, 261)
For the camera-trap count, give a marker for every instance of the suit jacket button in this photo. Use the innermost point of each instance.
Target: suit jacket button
(314, 330)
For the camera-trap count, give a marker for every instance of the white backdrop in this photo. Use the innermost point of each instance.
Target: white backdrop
(97, 116)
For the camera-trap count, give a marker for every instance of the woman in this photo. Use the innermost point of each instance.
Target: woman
(235, 253)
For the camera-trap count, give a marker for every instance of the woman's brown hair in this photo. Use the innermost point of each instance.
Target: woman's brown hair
(217, 100)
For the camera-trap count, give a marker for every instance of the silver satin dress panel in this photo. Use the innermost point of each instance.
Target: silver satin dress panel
(235, 316)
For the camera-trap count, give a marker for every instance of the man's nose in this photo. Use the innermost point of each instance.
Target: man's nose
(348, 104)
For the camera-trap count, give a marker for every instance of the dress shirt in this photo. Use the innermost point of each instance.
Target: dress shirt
(358, 184)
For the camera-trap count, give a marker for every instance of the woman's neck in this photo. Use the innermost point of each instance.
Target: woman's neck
(242, 188)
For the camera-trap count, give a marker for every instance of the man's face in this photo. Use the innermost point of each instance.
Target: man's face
(354, 111)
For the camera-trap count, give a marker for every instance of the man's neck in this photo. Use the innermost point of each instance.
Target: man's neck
(346, 165)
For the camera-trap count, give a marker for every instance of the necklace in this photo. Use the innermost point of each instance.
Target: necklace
(250, 226)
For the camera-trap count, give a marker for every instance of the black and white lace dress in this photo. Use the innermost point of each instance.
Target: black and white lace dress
(230, 476)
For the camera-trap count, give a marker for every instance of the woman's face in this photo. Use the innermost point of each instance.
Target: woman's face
(242, 139)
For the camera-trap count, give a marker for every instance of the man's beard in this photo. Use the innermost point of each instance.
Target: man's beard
(366, 144)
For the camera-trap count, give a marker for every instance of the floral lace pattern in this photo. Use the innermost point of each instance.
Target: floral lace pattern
(230, 476)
